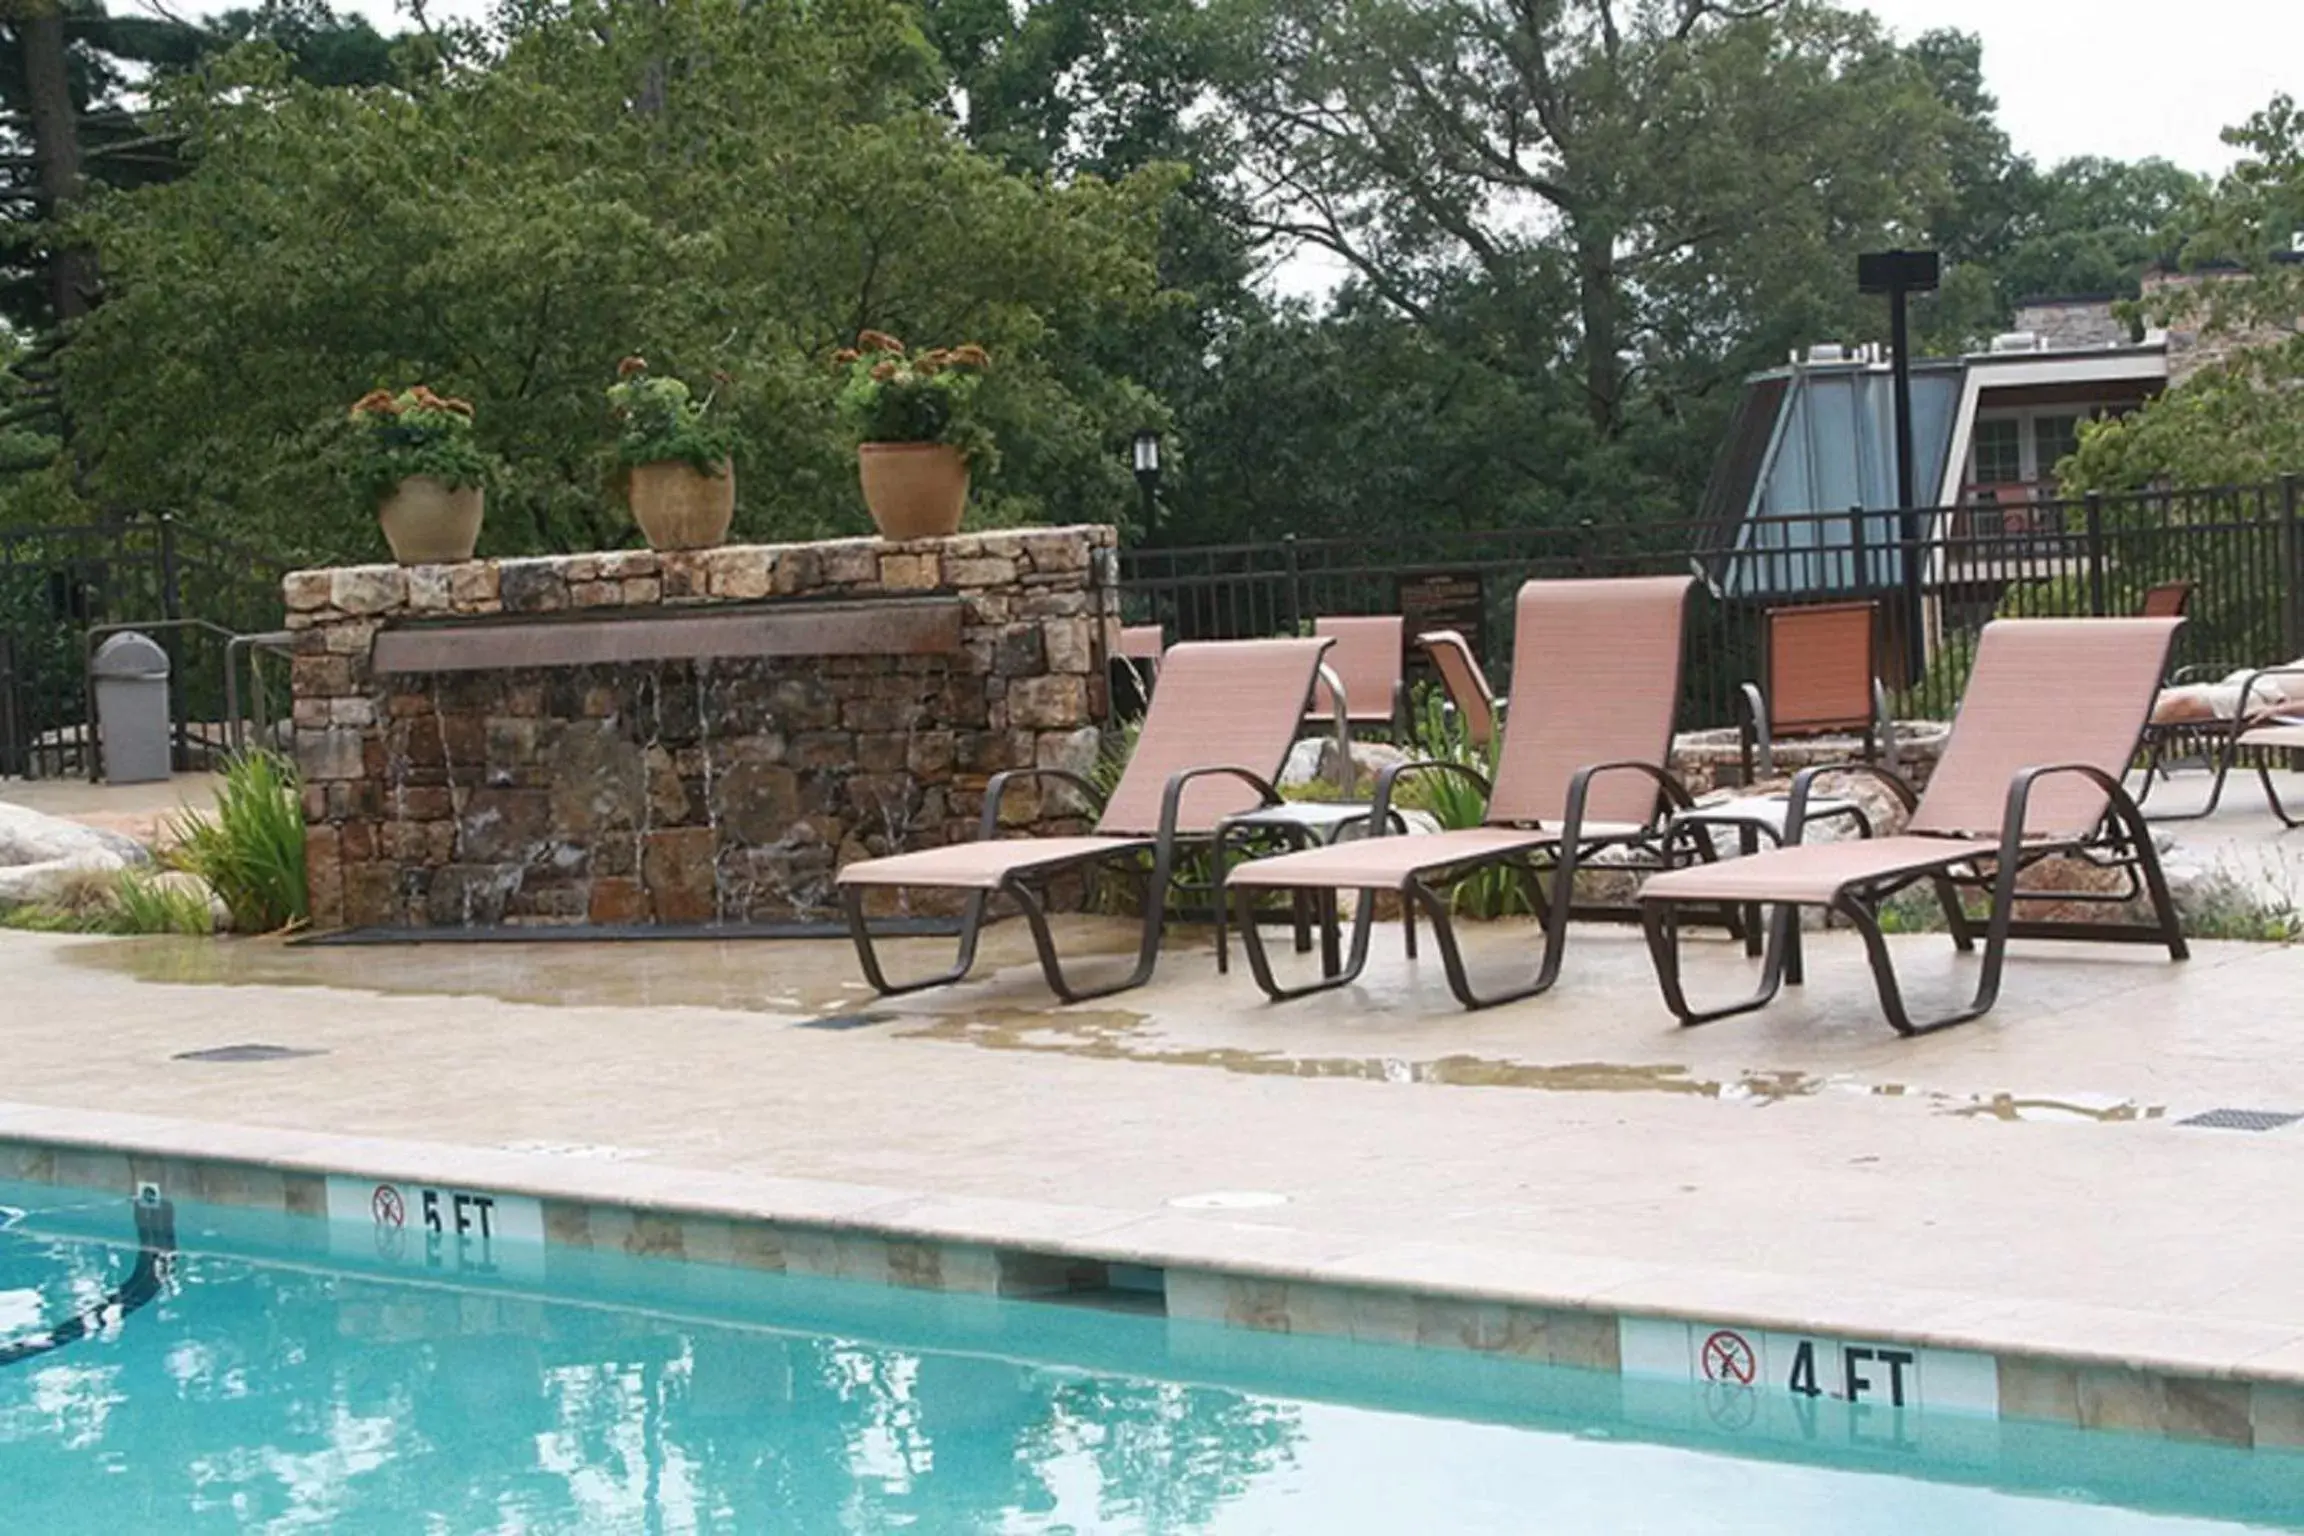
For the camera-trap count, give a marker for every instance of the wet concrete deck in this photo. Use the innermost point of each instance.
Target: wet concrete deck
(2023, 1180)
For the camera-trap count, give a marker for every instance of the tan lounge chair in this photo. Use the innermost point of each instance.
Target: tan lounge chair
(1594, 685)
(1464, 682)
(1366, 662)
(2032, 769)
(1218, 730)
(1823, 677)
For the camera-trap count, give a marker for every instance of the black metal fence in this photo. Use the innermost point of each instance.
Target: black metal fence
(1938, 573)
(58, 584)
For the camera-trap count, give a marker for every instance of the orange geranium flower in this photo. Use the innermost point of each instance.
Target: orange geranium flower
(883, 371)
(971, 356)
(377, 402)
(846, 355)
(631, 365)
(878, 341)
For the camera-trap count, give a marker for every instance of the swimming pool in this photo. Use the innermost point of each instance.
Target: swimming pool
(233, 1371)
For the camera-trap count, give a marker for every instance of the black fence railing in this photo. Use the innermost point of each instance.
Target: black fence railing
(59, 583)
(1938, 574)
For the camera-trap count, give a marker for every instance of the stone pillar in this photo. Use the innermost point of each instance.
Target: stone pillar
(574, 783)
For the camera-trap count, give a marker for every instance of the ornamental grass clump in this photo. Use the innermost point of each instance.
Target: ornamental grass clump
(659, 420)
(393, 437)
(893, 396)
(251, 851)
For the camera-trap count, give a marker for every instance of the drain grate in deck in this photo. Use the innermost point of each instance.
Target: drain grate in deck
(845, 1021)
(248, 1053)
(2243, 1119)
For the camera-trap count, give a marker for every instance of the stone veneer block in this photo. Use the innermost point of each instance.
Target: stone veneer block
(610, 738)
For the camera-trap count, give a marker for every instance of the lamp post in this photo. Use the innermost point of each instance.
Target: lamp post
(1899, 274)
(1147, 461)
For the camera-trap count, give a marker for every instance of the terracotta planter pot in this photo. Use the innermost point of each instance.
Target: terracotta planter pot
(428, 523)
(679, 507)
(914, 490)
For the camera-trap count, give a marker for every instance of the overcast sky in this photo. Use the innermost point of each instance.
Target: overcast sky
(2124, 78)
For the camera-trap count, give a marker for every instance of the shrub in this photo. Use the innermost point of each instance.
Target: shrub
(387, 437)
(925, 397)
(251, 852)
(659, 420)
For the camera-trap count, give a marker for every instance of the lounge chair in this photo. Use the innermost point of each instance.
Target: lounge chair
(1213, 742)
(1464, 682)
(1367, 664)
(2167, 600)
(1594, 684)
(1823, 677)
(2032, 769)
(1138, 659)
(2219, 713)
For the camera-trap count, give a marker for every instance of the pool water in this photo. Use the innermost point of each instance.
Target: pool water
(250, 1381)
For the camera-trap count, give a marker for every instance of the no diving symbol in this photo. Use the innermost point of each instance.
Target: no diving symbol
(1727, 1357)
(390, 1210)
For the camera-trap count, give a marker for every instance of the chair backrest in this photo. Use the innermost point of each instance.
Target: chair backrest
(1595, 679)
(2168, 600)
(1220, 704)
(1142, 642)
(1822, 661)
(1366, 661)
(1467, 685)
(2046, 691)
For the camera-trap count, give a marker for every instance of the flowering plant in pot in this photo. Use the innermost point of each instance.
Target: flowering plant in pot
(678, 477)
(915, 415)
(413, 457)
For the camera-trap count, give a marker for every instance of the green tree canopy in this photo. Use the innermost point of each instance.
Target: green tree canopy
(720, 186)
(2239, 417)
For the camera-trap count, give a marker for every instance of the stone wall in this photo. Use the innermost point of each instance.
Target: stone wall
(693, 788)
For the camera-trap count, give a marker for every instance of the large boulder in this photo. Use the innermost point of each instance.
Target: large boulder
(42, 856)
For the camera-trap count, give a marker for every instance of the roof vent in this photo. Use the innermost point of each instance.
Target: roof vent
(2016, 341)
(1827, 352)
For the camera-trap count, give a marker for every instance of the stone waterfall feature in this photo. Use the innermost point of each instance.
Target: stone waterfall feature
(643, 738)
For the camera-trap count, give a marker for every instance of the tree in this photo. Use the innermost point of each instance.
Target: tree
(2240, 417)
(1692, 178)
(72, 118)
(719, 186)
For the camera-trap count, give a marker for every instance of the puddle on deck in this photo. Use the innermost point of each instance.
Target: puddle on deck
(818, 979)
(1117, 1035)
(752, 976)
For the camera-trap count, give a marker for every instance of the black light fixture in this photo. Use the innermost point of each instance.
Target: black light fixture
(1147, 463)
(1899, 274)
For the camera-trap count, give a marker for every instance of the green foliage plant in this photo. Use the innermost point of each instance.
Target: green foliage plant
(144, 904)
(389, 437)
(251, 851)
(659, 421)
(1456, 801)
(891, 396)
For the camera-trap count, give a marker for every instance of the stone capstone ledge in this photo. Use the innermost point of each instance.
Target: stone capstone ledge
(588, 763)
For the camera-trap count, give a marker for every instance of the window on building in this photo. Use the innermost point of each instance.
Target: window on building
(2053, 439)
(1999, 451)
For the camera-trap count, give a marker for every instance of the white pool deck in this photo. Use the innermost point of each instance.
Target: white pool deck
(2020, 1184)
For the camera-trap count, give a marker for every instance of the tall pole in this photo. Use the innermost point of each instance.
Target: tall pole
(1899, 274)
(1907, 502)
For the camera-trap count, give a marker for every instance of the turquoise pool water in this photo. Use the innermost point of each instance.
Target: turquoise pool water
(269, 1376)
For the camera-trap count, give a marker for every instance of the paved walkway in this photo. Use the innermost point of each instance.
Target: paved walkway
(2024, 1179)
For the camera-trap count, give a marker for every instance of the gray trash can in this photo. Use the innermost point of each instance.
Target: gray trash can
(131, 678)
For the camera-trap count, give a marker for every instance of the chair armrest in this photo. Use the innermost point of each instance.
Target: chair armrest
(1172, 797)
(997, 786)
(1752, 704)
(2117, 800)
(1380, 812)
(2200, 672)
(1804, 789)
(1580, 789)
(2248, 687)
